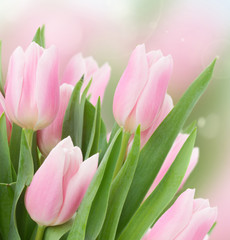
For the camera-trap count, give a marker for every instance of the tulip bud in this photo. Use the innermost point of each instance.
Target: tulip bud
(32, 87)
(179, 142)
(59, 185)
(78, 66)
(49, 137)
(141, 90)
(187, 218)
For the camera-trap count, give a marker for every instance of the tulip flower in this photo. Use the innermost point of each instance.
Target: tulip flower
(59, 185)
(180, 140)
(141, 90)
(78, 66)
(32, 87)
(47, 138)
(186, 219)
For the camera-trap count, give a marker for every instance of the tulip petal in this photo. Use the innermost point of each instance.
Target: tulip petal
(192, 163)
(44, 196)
(47, 88)
(91, 67)
(180, 140)
(27, 109)
(153, 57)
(76, 189)
(152, 97)
(175, 219)
(48, 137)
(199, 225)
(130, 85)
(14, 83)
(166, 108)
(200, 204)
(99, 83)
(74, 70)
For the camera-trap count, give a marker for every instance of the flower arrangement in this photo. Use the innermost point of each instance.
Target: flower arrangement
(64, 177)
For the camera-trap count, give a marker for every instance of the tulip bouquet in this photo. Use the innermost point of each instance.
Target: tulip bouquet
(63, 176)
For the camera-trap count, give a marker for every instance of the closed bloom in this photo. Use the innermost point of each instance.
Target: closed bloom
(49, 137)
(78, 66)
(179, 142)
(186, 219)
(59, 185)
(141, 90)
(32, 87)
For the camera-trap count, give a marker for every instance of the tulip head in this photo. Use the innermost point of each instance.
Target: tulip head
(47, 138)
(187, 218)
(78, 66)
(32, 87)
(141, 90)
(59, 185)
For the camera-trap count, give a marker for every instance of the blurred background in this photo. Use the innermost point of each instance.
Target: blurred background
(194, 32)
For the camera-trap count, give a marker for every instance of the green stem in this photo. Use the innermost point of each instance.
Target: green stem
(124, 143)
(29, 137)
(40, 232)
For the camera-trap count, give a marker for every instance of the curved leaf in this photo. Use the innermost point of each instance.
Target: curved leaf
(156, 149)
(119, 191)
(154, 205)
(79, 225)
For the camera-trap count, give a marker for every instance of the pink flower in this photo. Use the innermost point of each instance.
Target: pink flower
(180, 140)
(141, 90)
(59, 185)
(163, 112)
(78, 66)
(32, 88)
(186, 219)
(49, 137)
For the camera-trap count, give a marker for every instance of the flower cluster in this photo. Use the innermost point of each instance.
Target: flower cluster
(106, 189)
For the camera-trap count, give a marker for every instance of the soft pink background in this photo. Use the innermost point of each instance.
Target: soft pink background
(192, 31)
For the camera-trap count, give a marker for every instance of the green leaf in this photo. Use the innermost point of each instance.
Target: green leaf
(34, 151)
(39, 37)
(15, 145)
(6, 196)
(154, 205)
(25, 175)
(99, 206)
(73, 119)
(25, 224)
(91, 129)
(102, 141)
(6, 168)
(190, 127)
(1, 78)
(115, 128)
(95, 145)
(56, 232)
(79, 225)
(119, 191)
(156, 149)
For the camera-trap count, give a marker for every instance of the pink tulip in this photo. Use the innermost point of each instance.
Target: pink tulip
(49, 137)
(78, 66)
(164, 111)
(32, 88)
(141, 90)
(186, 219)
(180, 140)
(59, 185)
